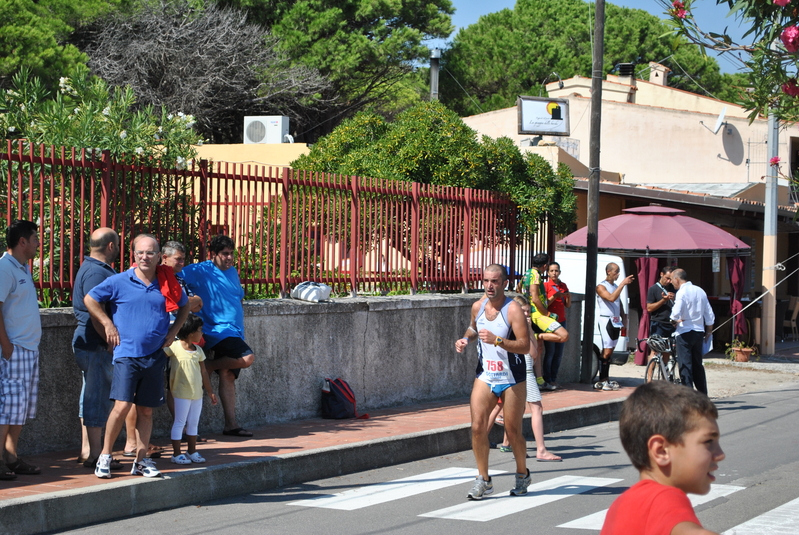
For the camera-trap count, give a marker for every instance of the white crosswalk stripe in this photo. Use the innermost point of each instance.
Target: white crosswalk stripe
(783, 520)
(595, 521)
(394, 490)
(497, 506)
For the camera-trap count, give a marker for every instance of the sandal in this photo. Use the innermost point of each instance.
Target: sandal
(21, 467)
(6, 474)
(181, 459)
(238, 432)
(499, 420)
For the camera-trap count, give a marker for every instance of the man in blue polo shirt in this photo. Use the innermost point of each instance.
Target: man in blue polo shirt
(91, 351)
(138, 333)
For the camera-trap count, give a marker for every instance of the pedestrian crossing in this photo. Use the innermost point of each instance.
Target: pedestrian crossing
(783, 520)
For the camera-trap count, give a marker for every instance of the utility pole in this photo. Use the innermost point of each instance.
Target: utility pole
(435, 57)
(593, 191)
(768, 327)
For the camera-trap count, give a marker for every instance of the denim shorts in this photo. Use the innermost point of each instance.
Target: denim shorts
(97, 366)
(140, 380)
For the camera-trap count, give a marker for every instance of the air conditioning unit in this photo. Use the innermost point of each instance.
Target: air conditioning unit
(266, 129)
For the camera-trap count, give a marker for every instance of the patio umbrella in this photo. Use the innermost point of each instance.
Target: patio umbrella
(658, 231)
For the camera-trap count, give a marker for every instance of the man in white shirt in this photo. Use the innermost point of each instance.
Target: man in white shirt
(694, 320)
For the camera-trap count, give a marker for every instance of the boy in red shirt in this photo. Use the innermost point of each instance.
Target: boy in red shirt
(671, 436)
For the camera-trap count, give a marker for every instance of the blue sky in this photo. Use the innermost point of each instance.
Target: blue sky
(710, 16)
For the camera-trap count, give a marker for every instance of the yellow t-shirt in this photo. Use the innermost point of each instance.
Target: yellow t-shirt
(185, 377)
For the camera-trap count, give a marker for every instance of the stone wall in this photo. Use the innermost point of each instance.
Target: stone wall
(392, 351)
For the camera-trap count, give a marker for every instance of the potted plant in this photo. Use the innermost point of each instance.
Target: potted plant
(740, 351)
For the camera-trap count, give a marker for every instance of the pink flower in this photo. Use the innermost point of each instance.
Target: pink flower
(782, 3)
(791, 88)
(790, 38)
(775, 161)
(680, 13)
(679, 5)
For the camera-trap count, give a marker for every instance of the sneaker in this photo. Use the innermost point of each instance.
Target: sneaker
(505, 449)
(522, 482)
(610, 385)
(548, 387)
(180, 459)
(599, 386)
(103, 468)
(480, 488)
(196, 457)
(145, 468)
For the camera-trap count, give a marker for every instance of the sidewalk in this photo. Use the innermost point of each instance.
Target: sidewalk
(66, 494)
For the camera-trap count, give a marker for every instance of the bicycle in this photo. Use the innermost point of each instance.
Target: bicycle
(657, 369)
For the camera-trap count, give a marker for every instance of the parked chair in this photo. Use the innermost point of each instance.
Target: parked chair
(792, 322)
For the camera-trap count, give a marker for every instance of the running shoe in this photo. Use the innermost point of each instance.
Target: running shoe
(505, 449)
(548, 387)
(610, 386)
(522, 482)
(599, 386)
(480, 488)
(103, 468)
(145, 468)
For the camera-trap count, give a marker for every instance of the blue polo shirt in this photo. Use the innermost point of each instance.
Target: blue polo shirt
(221, 292)
(138, 311)
(91, 273)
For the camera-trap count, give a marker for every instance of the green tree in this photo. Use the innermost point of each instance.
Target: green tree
(33, 35)
(512, 52)
(768, 51)
(367, 49)
(431, 145)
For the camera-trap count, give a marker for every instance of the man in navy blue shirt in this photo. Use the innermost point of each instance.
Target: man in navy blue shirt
(138, 333)
(91, 351)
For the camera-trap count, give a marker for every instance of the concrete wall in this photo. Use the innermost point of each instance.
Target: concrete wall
(393, 351)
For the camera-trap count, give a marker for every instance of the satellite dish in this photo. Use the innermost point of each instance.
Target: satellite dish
(720, 120)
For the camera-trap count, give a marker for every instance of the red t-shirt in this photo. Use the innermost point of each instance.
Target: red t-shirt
(556, 305)
(648, 508)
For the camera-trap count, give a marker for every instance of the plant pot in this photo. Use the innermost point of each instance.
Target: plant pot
(742, 354)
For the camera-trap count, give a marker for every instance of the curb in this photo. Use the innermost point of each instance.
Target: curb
(68, 509)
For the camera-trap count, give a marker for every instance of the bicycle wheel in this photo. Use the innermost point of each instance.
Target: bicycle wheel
(655, 371)
(595, 366)
(675, 372)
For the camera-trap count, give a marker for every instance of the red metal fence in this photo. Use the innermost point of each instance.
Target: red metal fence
(357, 234)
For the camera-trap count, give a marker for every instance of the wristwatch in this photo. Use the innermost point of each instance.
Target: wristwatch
(498, 341)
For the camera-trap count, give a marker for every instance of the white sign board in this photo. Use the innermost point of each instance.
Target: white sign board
(543, 116)
(716, 261)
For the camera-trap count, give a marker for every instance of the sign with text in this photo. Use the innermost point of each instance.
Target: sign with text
(543, 116)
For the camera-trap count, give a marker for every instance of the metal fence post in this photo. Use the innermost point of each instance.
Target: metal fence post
(355, 250)
(415, 256)
(105, 189)
(203, 223)
(467, 236)
(284, 239)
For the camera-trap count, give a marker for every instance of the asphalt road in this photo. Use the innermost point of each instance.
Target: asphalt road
(755, 484)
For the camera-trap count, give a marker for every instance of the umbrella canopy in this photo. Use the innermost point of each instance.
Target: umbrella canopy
(656, 231)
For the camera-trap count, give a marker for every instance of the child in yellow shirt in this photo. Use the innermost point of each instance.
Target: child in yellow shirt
(187, 378)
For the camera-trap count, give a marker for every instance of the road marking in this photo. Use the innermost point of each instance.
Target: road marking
(497, 506)
(596, 520)
(394, 490)
(783, 520)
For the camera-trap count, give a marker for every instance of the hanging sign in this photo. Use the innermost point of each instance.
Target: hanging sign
(716, 261)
